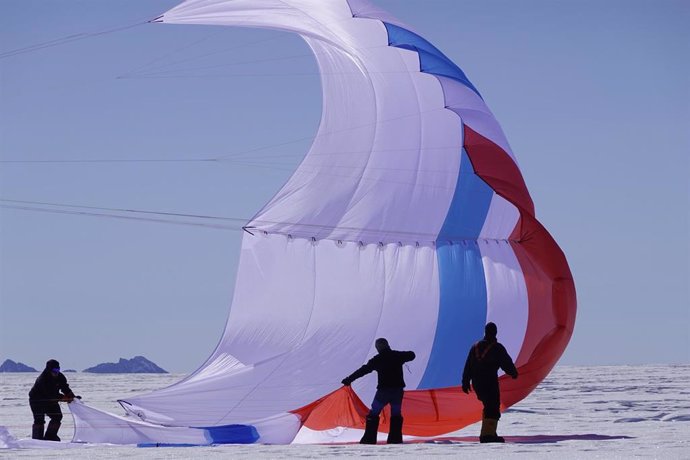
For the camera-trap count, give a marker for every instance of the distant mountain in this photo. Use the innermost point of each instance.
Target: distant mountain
(136, 365)
(11, 366)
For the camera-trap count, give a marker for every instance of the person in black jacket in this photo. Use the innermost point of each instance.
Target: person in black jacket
(481, 368)
(388, 365)
(43, 399)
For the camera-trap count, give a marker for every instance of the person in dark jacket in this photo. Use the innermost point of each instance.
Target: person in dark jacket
(388, 365)
(50, 388)
(481, 368)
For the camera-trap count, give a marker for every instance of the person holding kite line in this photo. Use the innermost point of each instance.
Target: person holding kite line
(481, 368)
(388, 365)
(50, 388)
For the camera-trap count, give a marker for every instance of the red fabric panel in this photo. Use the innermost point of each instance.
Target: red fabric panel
(426, 412)
(550, 285)
(496, 168)
(339, 408)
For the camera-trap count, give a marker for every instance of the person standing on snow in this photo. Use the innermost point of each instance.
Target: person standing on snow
(481, 368)
(43, 400)
(388, 365)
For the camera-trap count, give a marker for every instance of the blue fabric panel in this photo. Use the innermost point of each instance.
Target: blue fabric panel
(430, 58)
(463, 302)
(462, 312)
(469, 206)
(232, 434)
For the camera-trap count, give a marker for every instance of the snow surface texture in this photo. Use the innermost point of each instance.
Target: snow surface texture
(577, 412)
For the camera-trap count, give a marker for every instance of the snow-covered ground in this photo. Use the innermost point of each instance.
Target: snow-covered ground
(577, 412)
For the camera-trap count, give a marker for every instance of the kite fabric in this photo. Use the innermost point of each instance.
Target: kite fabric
(408, 219)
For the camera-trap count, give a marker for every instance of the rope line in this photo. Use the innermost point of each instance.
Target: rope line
(65, 40)
(232, 223)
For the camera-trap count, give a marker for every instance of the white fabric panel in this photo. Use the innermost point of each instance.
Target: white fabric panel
(309, 18)
(95, 426)
(409, 160)
(385, 160)
(365, 9)
(507, 303)
(305, 314)
(207, 401)
(410, 310)
(338, 156)
(333, 436)
(409, 181)
(273, 298)
(500, 220)
(348, 299)
(272, 305)
(279, 429)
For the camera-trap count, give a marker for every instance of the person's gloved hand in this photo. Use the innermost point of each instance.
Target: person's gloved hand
(66, 398)
(346, 382)
(466, 389)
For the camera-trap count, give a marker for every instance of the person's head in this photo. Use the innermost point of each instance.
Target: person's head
(53, 366)
(382, 344)
(490, 330)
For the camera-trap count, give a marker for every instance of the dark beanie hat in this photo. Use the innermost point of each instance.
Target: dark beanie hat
(382, 344)
(490, 330)
(52, 364)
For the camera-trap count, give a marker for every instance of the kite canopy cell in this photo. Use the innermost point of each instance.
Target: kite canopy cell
(408, 219)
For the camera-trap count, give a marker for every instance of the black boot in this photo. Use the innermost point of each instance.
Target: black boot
(51, 431)
(371, 430)
(395, 432)
(488, 433)
(37, 431)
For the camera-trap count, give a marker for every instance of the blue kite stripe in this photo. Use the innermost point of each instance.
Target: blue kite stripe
(469, 206)
(462, 312)
(232, 434)
(462, 284)
(431, 60)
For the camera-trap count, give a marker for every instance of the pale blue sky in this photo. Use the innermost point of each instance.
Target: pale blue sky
(593, 95)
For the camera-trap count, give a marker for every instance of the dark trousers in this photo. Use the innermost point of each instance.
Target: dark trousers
(392, 396)
(42, 408)
(492, 403)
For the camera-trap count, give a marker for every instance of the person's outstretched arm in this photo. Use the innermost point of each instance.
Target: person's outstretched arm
(407, 356)
(66, 390)
(362, 371)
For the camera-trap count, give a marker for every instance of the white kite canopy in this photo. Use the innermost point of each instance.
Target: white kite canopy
(407, 219)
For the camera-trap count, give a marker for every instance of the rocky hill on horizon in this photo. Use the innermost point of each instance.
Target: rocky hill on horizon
(11, 366)
(136, 365)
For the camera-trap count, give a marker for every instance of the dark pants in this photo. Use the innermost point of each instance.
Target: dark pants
(491, 399)
(42, 408)
(392, 396)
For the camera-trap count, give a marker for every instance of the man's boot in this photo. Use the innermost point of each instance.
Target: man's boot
(37, 431)
(488, 432)
(51, 431)
(371, 429)
(395, 432)
(485, 432)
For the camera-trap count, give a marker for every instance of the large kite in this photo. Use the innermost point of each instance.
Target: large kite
(407, 219)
